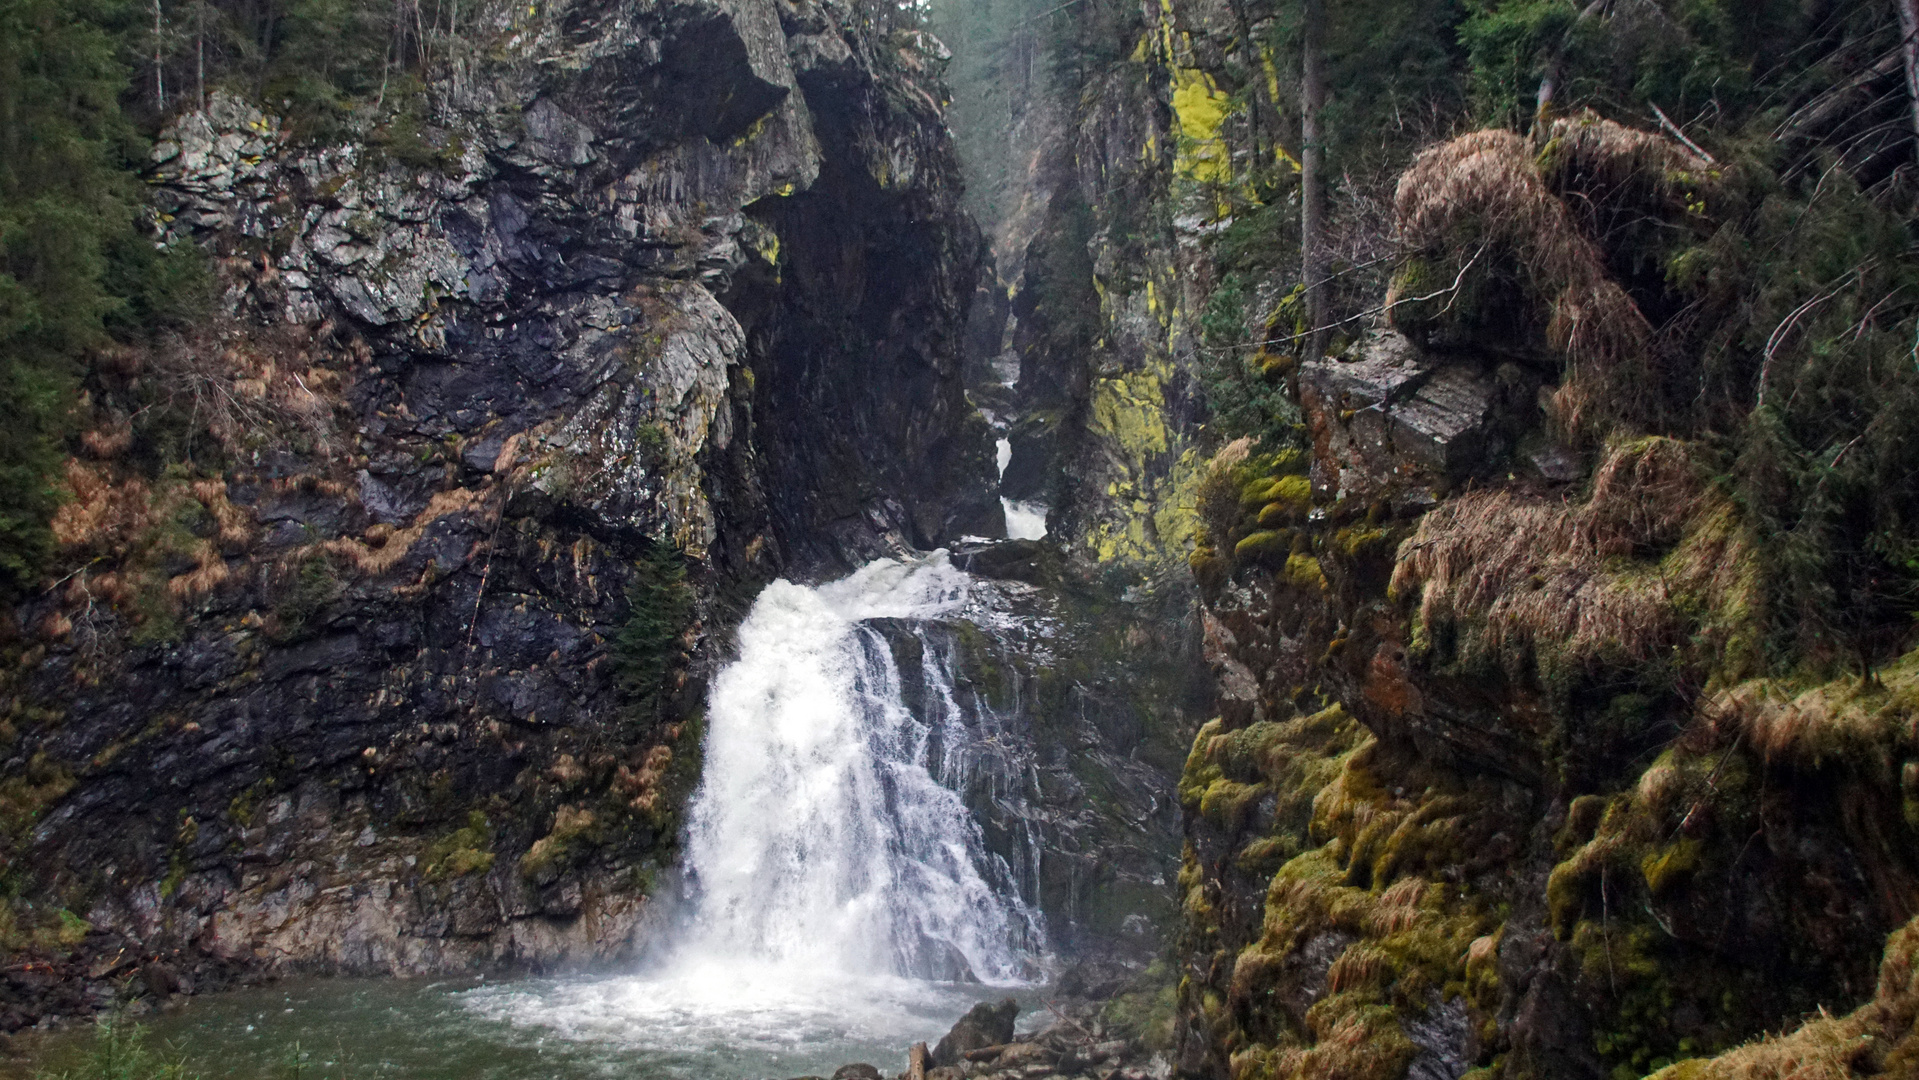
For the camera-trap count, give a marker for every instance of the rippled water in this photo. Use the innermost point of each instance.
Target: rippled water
(718, 1025)
(834, 880)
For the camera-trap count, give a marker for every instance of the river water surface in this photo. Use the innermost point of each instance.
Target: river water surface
(618, 1028)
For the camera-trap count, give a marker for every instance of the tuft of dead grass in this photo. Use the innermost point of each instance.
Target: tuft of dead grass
(235, 525)
(1484, 190)
(1486, 194)
(1591, 155)
(209, 573)
(388, 548)
(123, 532)
(247, 388)
(1653, 555)
(641, 787)
(1847, 718)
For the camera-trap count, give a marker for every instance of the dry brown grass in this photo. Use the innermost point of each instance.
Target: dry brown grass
(109, 440)
(1362, 966)
(1484, 188)
(374, 559)
(1621, 577)
(1398, 908)
(235, 525)
(1847, 718)
(641, 786)
(248, 386)
(1595, 156)
(209, 573)
(102, 515)
(1485, 194)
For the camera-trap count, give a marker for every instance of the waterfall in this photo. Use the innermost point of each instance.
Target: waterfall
(840, 895)
(820, 838)
(1025, 519)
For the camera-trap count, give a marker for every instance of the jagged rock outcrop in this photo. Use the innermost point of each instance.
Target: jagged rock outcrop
(1061, 712)
(392, 669)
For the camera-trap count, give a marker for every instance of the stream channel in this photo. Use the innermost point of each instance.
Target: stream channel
(838, 903)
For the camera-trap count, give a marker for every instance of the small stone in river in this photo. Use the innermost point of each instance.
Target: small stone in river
(856, 1071)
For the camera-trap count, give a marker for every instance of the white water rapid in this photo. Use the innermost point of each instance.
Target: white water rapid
(819, 840)
(1025, 519)
(841, 899)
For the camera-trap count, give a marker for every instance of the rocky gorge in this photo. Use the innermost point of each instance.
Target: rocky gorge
(1491, 657)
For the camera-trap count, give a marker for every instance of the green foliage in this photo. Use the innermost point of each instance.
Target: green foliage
(1246, 389)
(995, 77)
(76, 271)
(1059, 275)
(120, 1051)
(1808, 299)
(1396, 73)
(1148, 1010)
(660, 606)
(1509, 45)
(65, 201)
(307, 592)
(1689, 57)
(466, 850)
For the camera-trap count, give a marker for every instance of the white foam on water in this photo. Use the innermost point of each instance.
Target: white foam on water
(837, 892)
(818, 838)
(1024, 520)
(729, 1010)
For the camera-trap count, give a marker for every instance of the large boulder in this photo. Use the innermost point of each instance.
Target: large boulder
(986, 1025)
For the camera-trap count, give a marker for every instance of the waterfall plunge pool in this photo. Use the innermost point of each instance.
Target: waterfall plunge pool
(840, 904)
(737, 1026)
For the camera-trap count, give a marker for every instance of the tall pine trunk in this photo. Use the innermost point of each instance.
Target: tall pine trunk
(1312, 168)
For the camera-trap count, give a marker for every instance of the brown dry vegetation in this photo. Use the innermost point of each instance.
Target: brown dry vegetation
(383, 547)
(1589, 154)
(1483, 193)
(1847, 719)
(1486, 198)
(141, 540)
(1653, 557)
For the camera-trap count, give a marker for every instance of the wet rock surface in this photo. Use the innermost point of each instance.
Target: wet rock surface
(673, 279)
(986, 1025)
(1070, 1040)
(1061, 707)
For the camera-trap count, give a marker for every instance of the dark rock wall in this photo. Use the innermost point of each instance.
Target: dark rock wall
(652, 279)
(1076, 708)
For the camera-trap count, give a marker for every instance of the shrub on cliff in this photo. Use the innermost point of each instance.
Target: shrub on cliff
(660, 608)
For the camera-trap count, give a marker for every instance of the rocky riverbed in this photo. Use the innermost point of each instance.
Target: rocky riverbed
(1075, 1037)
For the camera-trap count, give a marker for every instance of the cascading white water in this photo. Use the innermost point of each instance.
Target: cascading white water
(837, 888)
(819, 838)
(1025, 519)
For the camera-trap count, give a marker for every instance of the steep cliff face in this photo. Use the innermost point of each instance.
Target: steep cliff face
(387, 592)
(1509, 776)
(1500, 783)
